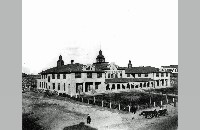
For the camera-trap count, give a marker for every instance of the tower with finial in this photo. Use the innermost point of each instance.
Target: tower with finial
(100, 58)
(60, 62)
(129, 64)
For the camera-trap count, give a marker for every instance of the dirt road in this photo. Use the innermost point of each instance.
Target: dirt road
(54, 114)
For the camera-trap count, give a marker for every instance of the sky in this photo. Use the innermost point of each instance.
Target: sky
(143, 31)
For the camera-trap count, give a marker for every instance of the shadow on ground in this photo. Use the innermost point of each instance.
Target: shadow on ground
(30, 123)
(80, 126)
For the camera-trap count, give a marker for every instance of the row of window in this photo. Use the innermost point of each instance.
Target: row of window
(129, 86)
(114, 75)
(77, 75)
(89, 75)
(44, 85)
(146, 75)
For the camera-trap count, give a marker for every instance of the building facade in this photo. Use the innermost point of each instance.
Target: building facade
(100, 77)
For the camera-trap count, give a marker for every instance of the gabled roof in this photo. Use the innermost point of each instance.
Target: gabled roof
(127, 80)
(141, 70)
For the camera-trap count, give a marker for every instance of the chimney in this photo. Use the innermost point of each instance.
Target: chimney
(72, 61)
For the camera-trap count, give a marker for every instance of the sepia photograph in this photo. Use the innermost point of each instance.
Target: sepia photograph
(99, 65)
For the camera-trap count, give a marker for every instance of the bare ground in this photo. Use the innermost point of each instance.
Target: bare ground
(54, 114)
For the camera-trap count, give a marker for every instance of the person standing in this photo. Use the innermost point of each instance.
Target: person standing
(88, 119)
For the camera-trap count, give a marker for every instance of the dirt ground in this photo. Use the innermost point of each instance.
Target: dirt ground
(55, 114)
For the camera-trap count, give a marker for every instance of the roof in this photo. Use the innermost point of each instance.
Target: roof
(122, 68)
(171, 66)
(141, 70)
(127, 80)
(69, 68)
(101, 66)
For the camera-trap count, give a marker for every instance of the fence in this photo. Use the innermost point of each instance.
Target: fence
(119, 103)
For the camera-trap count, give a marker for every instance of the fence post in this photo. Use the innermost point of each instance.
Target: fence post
(173, 99)
(161, 103)
(88, 101)
(110, 105)
(154, 104)
(119, 106)
(94, 99)
(82, 99)
(102, 103)
(129, 108)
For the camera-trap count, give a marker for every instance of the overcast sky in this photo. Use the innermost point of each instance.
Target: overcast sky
(143, 31)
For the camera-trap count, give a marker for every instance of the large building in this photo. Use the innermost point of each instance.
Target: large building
(100, 77)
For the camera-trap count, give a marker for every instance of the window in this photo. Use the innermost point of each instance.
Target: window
(64, 76)
(89, 75)
(139, 75)
(58, 76)
(111, 75)
(40, 84)
(53, 86)
(157, 74)
(133, 75)
(166, 74)
(118, 86)
(113, 86)
(58, 86)
(108, 75)
(53, 76)
(48, 78)
(121, 75)
(64, 87)
(77, 75)
(162, 74)
(97, 84)
(146, 75)
(128, 75)
(141, 85)
(99, 75)
(107, 87)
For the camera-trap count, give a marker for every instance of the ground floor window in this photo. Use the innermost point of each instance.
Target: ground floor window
(132, 86)
(107, 87)
(123, 87)
(118, 86)
(88, 86)
(79, 87)
(53, 86)
(157, 82)
(141, 85)
(144, 85)
(58, 86)
(113, 86)
(97, 84)
(128, 86)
